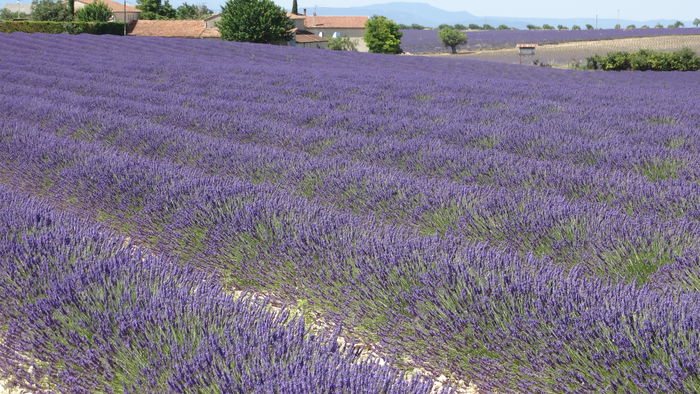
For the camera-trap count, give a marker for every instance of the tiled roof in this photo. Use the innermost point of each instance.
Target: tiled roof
(212, 17)
(295, 16)
(211, 33)
(173, 28)
(113, 5)
(335, 22)
(305, 37)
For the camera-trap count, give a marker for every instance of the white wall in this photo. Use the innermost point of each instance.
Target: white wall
(211, 23)
(354, 34)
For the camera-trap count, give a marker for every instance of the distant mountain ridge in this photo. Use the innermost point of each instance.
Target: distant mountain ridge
(427, 15)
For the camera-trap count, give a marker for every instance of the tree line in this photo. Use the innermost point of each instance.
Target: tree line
(156, 9)
(99, 11)
(486, 26)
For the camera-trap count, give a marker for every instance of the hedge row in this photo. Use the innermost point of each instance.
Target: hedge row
(115, 28)
(644, 60)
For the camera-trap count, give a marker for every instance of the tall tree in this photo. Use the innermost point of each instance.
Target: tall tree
(150, 9)
(260, 21)
(295, 8)
(382, 35)
(187, 11)
(167, 11)
(696, 22)
(48, 10)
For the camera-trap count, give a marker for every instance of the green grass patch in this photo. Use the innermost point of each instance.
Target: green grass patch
(661, 169)
(440, 220)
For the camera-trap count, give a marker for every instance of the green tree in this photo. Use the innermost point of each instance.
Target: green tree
(460, 26)
(487, 27)
(150, 9)
(547, 27)
(295, 8)
(443, 25)
(260, 21)
(6, 14)
(676, 25)
(98, 11)
(341, 44)
(562, 27)
(533, 27)
(575, 27)
(382, 35)
(473, 26)
(48, 10)
(452, 38)
(204, 11)
(631, 27)
(191, 11)
(187, 11)
(503, 27)
(167, 11)
(71, 8)
(659, 26)
(696, 22)
(589, 26)
(618, 27)
(417, 26)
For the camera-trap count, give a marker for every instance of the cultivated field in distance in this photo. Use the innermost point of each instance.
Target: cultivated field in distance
(427, 41)
(526, 229)
(576, 52)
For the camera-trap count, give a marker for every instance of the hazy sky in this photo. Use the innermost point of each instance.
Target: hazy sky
(629, 9)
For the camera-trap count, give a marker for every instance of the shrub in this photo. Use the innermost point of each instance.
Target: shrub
(260, 21)
(644, 60)
(114, 28)
(98, 11)
(382, 35)
(341, 44)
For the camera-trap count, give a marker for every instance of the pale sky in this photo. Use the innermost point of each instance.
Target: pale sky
(629, 9)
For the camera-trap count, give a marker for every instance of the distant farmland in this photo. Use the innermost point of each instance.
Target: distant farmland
(572, 52)
(426, 41)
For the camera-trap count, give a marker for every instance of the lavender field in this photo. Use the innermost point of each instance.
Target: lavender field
(526, 229)
(427, 41)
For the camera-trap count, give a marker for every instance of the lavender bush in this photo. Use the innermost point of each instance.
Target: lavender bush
(526, 229)
(427, 41)
(83, 311)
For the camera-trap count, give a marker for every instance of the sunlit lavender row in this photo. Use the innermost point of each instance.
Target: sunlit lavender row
(525, 230)
(82, 310)
(427, 41)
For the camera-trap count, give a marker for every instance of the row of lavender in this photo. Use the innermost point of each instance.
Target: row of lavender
(427, 41)
(447, 303)
(599, 238)
(173, 189)
(83, 311)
